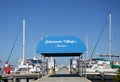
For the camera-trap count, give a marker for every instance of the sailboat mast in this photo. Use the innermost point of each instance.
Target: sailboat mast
(86, 47)
(23, 40)
(110, 36)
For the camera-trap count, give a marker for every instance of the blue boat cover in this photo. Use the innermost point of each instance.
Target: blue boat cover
(60, 44)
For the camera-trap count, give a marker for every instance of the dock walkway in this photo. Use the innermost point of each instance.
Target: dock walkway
(63, 76)
(63, 79)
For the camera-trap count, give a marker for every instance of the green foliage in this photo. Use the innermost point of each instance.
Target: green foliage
(0, 68)
(0, 75)
(117, 77)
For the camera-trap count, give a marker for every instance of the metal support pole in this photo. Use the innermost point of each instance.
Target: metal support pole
(81, 62)
(78, 65)
(85, 66)
(54, 66)
(70, 66)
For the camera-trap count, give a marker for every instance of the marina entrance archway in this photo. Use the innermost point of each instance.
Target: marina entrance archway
(62, 46)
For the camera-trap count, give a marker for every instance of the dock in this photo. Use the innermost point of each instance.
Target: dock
(63, 79)
(63, 75)
(21, 77)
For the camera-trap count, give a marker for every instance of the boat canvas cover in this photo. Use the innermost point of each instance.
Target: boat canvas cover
(60, 44)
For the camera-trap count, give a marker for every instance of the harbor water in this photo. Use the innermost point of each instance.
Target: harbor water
(98, 80)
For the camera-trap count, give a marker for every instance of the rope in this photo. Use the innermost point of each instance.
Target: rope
(98, 39)
(14, 45)
(31, 38)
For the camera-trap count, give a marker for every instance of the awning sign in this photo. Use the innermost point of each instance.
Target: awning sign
(60, 44)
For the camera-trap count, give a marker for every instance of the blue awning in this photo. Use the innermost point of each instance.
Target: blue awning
(60, 45)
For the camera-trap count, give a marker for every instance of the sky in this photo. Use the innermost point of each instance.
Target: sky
(79, 18)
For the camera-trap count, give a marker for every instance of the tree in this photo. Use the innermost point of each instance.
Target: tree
(116, 78)
(0, 71)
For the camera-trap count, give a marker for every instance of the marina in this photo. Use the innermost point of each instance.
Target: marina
(62, 75)
(45, 69)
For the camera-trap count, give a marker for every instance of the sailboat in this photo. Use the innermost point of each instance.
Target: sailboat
(110, 46)
(28, 65)
(102, 65)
